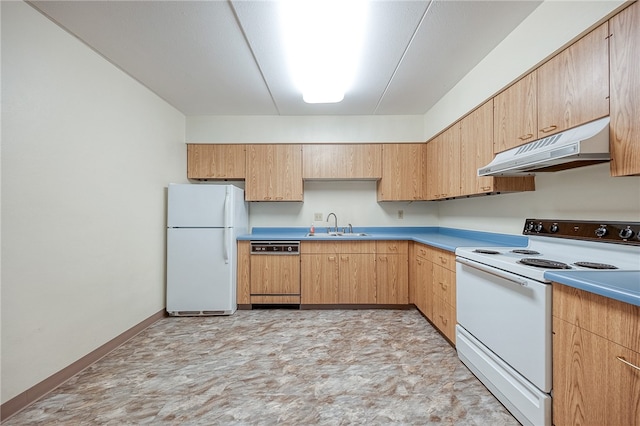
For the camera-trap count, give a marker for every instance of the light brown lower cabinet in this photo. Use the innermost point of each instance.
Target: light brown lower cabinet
(338, 272)
(392, 272)
(434, 282)
(596, 359)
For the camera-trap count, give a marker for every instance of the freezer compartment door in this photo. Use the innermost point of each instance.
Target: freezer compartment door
(198, 206)
(199, 279)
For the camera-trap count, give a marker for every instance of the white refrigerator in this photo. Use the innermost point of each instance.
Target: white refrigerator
(203, 222)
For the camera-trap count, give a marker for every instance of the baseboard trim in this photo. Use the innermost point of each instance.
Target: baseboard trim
(28, 397)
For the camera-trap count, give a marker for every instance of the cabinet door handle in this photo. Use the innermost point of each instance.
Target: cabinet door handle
(279, 198)
(442, 285)
(419, 262)
(331, 258)
(266, 198)
(525, 137)
(444, 320)
(549, 128)
(344, 257)
(443, 260)
(383, 258)
(621, 359)
(486, 188)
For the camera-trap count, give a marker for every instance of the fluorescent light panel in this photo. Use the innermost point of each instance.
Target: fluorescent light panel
(323, 40)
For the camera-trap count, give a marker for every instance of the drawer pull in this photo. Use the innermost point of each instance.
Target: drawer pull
(344, 257)
(621, 359)
(332, 258)
(442, 285)
(549, 128)
(443, 260)
(383, 258)
(444, 320)
(525, 137)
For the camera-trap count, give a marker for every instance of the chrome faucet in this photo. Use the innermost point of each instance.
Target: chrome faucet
(350, 229)
(336, 221)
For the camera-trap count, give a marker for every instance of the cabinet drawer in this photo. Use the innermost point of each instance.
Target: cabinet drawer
(392, 247)
(421, 250)
(444, 284)
(313, 247)
(443, 258)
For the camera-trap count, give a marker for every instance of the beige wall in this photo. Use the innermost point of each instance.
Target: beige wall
(86, 155)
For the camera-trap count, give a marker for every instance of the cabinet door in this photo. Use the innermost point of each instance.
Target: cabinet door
(573, 86)
(516, 114)
(214, 161)
(579, 376)
(274, 173)
(476, 150)
(625, 92)
(444, 318)
(449, 162)
(403, 172)
(341, 161)
(622, 385)
(357, 278)
(433, 169)
(271, 275)
(424, 298)
(320, 279)
(392, 276)
(243, 293)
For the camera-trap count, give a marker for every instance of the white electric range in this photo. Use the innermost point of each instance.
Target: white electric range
(504, 304)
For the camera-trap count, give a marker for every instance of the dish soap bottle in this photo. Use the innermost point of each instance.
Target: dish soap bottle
(312, 230)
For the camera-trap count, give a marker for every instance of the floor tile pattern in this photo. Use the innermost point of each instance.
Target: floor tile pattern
(266, 367)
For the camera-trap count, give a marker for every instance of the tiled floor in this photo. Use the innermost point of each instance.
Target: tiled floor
(265, 367)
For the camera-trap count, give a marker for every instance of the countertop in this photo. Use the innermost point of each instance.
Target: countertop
(444, 238)
(619, 285)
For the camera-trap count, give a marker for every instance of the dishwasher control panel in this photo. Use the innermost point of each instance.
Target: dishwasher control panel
(275, 247)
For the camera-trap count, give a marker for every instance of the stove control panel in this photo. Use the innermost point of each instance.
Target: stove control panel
(610, 232)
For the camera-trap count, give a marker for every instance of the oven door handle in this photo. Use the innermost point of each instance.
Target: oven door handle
(493, 271)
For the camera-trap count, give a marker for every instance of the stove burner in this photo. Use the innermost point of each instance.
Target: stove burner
(593, 265)
(544, 263)
(523, 251)
(485, 251)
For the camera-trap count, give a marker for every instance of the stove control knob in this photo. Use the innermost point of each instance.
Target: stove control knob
(626, 233)
(601, 231)
(529, 226)
(538, 227)
(554, 228)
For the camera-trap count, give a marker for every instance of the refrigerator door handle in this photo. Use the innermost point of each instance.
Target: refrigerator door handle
(227, 195)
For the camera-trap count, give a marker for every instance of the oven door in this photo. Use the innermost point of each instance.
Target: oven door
(510, 315)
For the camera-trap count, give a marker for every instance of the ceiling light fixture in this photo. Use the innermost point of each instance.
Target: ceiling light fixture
(323, 39)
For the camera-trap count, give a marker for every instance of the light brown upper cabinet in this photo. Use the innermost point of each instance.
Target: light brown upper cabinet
(515, 119)
(215, 161)
(476, 150)
(443, 164)
(403, 172)
(625, 91)
(573, 86)
(341, 161)
(274, 172)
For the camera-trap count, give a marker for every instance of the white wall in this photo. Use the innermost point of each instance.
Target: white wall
(86, 155)
(352, 201)
(304, 129)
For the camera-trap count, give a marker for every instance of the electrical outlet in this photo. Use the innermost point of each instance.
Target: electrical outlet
(317, 216)
(400, 214)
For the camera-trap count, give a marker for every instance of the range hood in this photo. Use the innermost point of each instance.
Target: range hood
(581, 146)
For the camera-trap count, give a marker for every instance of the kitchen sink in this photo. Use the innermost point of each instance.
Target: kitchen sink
(338, 234)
